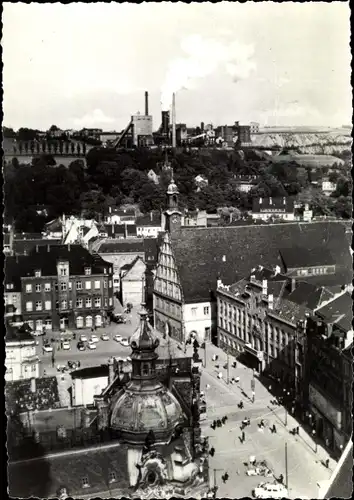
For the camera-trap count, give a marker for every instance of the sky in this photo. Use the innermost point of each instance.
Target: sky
(88, 65)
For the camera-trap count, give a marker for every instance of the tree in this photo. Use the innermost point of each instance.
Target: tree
(343, 207)
(8, 133)
(53, 128)
(72, 148)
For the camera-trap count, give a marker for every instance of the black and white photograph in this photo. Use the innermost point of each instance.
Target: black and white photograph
(177, 241)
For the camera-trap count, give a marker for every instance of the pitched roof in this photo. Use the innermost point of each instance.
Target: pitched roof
(341, 484)
(264, 204)
(295, 257)
(91, 372)
(122, 246)
(18, 334)
(148, 221)
(131, 264)
(46, 260)
(309, 295)
(23, 247)
(204, 254)
(114, 229)
(338, 311)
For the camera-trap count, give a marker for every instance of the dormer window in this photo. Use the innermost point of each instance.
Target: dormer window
(87, 271)
(112, 477)
(37, 273)
(9, 286)
(85, 482)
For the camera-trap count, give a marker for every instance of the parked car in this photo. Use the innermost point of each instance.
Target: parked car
(66, 346)
(94, 338)
(81, 346)
(92, 345)
(118, 318)
(47, 348)
(83, 337)
(270, 490)
(117, 338)
(104, 337)
(125, 342)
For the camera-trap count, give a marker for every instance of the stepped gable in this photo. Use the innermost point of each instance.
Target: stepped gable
(205, 254)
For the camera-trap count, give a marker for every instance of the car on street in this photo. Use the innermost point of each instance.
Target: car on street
(125, 342)
(92, 345)
(270, 490)
(47, 348)
(104, 337)
(117, 337)
(118, 318)
(66, 346)
(81, 346)
(83, 337)
(94, 338)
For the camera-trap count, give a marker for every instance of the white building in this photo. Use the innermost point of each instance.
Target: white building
(148, 226)
(328, 187)
(77, 230)
(120, 216)
(21, 359)
(133, 282)
(87, 383)
(273, 208)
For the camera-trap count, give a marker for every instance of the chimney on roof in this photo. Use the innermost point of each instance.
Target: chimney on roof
(33, 385)
(224, 258)
(284, 200)
(277, 270)
(110, 210)
(264, 287)
(219, 283)
(270, 301)
(151, 215)
(270, 201)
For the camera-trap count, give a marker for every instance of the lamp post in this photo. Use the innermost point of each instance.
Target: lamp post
(314, 438)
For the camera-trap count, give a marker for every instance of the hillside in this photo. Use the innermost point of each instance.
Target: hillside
(335, 141)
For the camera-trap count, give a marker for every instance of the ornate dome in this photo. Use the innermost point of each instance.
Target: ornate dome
(172, 187)
(144, 338)
(134, 415)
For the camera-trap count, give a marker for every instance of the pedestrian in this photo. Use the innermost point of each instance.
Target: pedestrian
(241, 404)
(262, 423)
(297, 430)
(274, 429)
(226, 476)
(212, 451)
(281, 479)
(243, 437)
(327, 463)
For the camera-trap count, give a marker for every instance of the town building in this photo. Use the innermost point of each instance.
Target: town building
(329, 371)
(120, 216)
(24, 243)
(141, 439)
(132, 282)
(148, 226)
(273, 209)
(195, 218)
(200, 182)
(106, 137)
(91, 132)
(152, 176)
(192, 259)
(142, 129)
(87, 383)
(63, 287)
(328, 187)
(21, 359)
(245, 183)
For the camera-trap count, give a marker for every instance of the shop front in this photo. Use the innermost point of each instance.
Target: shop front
(252, 358)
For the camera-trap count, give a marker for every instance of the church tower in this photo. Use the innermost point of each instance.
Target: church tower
(172, 216)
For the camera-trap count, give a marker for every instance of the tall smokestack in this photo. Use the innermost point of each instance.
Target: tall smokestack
(173, 120)
(146, 103)
(165, 122)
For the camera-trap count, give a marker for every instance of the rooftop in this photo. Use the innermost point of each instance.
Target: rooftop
(309, 295)
(122, 246)
(338, 311)
(25, 246)
(205, 254)
(263, 204)
(91, 372)
(19, 334)
(148, 221)
(296, 257)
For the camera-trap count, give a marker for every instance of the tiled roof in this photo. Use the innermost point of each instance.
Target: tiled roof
(114, 229)
(22, 247)
(272, 203)
(296, 257)
(147, 221)
(338, 311)
(43, 477)
(131, 230)
(309, 295)
(91, 372)
(130, 265)
(18, 334)
(18, 394)
(122, 246)
(342, 483)
(203, 255)
(128, 212)
(27, 236)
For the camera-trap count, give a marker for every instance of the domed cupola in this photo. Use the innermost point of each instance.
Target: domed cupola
(145, 404)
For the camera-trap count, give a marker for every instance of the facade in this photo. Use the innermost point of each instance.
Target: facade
(142, 129)
(21, 359)
(120, 216)
(301, 263)
(64, 287)
(328, 187)
(148, 226)
(108, 136)
(273, 208)
(194, 218)
(132, 280)
(254, 127)
(87, 383)
(329, 372)
(245, 183)
(91, 132)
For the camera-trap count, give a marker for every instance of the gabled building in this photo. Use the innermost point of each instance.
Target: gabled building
(21, 359)
(273, 208)
(245, 183)
(152, 176)
(132, 278)
(148, 226)
(120, 216)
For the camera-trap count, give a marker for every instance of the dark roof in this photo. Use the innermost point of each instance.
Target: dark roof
(199, 252)
(123, 213)
(151, 249)
(24, 247)
(131, 230)
(264, 204)
(27, 236)
(122, 246)
(130, 265)
(114, 229)
(19, 396)
(13, 271)
(43, 477)
(18, 333)
(309, 295)
(338, 311)
(342, 484)
(46, 261)
(296, 257)
(148, 221)
(91, 372)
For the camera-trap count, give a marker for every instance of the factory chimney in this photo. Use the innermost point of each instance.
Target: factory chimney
(165, 122)
(146, 103)
(173, 120)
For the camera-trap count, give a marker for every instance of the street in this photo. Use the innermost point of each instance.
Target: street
(304, 465)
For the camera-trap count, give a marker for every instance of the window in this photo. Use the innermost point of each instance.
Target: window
(105, 270)
(29, 306)
(194, 312)
(64, 304)
(48, 324)
(88, 285)
(38, 305)
(105, 301)
(47, 287)
(88, 302)
(28, 288)
(110, 301)
(97, 285)
(63, 287)
(105, 284)
(112, 477)
(79, 303)
(9, 286)
(70, 285)
(38, 287)
(97, 302)
(87, 271)
(48, 305)
(206, 311)
(37, 273)
(85, 482)
(39, 325)
(79, 322)
(34, 367)
(78, 285)
(63, 271)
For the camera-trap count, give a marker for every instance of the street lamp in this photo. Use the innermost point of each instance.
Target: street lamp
(314, 438)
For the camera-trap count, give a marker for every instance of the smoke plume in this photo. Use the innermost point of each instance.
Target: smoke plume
(202, 58)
